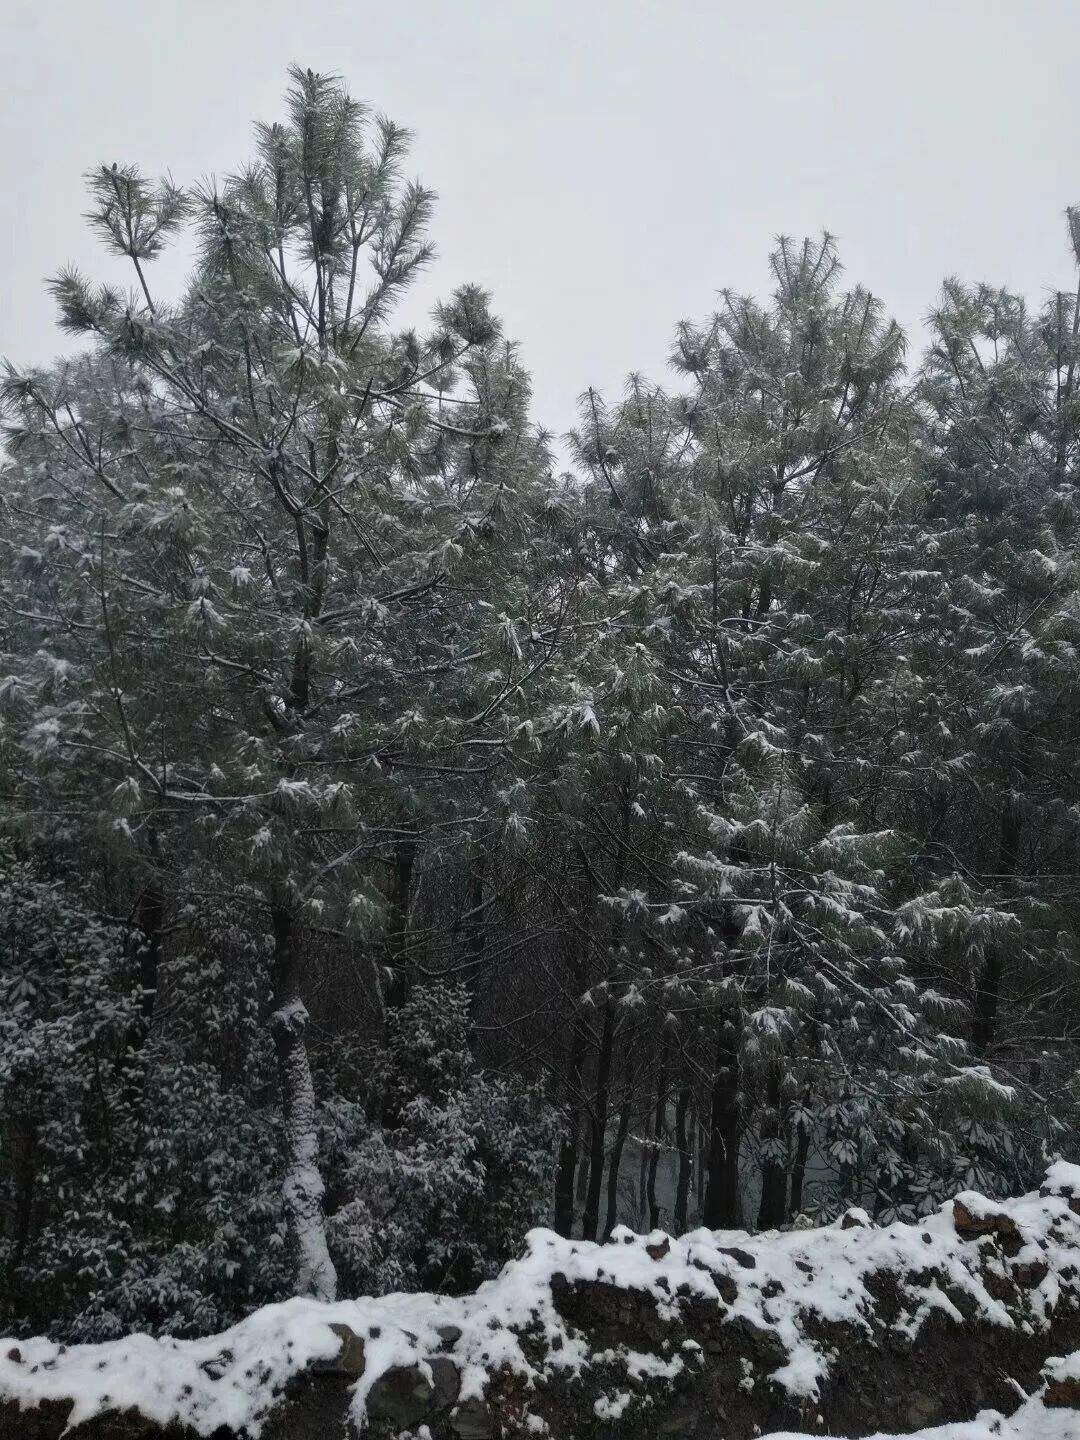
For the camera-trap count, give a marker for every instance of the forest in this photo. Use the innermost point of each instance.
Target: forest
(419, 827)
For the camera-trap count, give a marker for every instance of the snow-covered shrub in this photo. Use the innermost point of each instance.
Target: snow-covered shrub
(436, 1194)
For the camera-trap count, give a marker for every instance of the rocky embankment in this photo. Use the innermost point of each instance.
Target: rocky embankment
(845, 1330)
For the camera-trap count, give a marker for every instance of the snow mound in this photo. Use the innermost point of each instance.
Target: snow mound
(626, 1323)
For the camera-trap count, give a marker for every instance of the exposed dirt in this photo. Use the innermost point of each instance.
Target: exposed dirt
(926, 1354)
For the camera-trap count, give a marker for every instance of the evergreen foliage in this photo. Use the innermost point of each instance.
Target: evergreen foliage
(689, 836)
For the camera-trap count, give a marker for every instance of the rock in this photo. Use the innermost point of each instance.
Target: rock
(923, 1410)
(402, 1396)
(405, 1395)
(970, 1225)
(447, 1380)
(741, 1257)
(350, 1358)
(449, 1334)
(15, 1355)
(216, 1366)
(726, 1287)
(1063, 1393)
(657, 1246)
(472, 1420)
(608, 1313)
(855, 1219)
(1032, 1274)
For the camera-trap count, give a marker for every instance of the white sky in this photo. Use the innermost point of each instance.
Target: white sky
(604, 167)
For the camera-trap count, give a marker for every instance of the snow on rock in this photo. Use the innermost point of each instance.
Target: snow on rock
(633, 1320)
(1062, 1178)
(1044, 1416)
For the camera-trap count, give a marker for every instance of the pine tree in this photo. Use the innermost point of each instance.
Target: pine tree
(260, 523)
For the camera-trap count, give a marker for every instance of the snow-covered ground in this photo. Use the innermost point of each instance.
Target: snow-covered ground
(773, 1281)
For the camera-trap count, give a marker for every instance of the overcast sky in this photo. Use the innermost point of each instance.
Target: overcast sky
(604, 166)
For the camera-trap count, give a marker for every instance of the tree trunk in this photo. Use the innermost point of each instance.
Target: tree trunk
(701, 1148)
(474, 947)
(988, 994)
(773, 1172)
(571, 1142)
(150, 918)
(598, 1120)
(616, 1158)
(682, 1190)
(22, 1137)
(303, 1187)
(590, 1221)
(798, 1171)
(564, 1175)
(643, 1176)
(400, 898)
(658, 1135)
(583, 1176)
(722, 1207)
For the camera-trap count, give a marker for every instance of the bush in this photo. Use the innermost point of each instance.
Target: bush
(439, 1191)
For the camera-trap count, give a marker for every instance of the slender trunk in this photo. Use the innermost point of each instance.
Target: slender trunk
(682, 1189)
(571, 1141)
(474, 948)
(303, 1187)
(658, 1135)
(590, 1221)
(23, 1141)
(701, 1146)
(722, 1207)
(399, 901)
(616, 1158)
(773, 1171)
(598, 1134)
(798, 1172)
(643, 1175)
(988, 994)
(583, 1176)
(564, 1175)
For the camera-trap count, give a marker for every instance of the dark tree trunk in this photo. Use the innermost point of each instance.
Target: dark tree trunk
(400, 900)
(773, 1171)
(722, 1206)
(564, 1175)
(682, 1190)
(23, 1140)
(658, 1136)
(798, 1171)
(474, 948)
(17, 1289)
(616, 1157)
(643, 1175)
(701, 1148)
(590, 1220)
(570, 1146)
(583, 1176)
